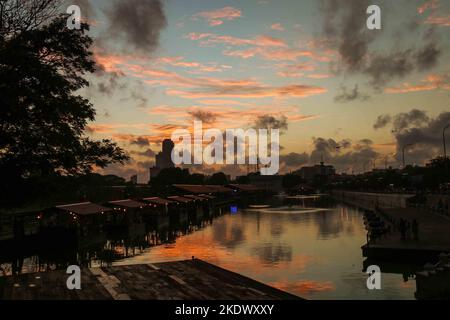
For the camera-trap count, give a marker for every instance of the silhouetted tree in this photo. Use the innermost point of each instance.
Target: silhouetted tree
(218, 178)
(197, 178)
(42, 119)
(243, 180)
(170, 176)
(291, 181)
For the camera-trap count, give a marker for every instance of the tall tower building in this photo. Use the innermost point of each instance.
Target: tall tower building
(163, 160)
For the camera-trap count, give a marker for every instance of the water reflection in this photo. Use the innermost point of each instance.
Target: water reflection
(314, 253)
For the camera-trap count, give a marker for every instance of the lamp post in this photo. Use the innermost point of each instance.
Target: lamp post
(403, 152)
(443, 140)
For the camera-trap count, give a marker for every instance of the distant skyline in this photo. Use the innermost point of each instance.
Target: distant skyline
(311, 68)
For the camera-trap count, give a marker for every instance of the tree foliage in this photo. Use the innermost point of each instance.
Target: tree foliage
(42, 116)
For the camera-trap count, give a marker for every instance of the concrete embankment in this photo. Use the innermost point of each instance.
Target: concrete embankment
(370, 201)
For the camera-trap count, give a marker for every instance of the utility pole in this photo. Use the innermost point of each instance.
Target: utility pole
(443, 140)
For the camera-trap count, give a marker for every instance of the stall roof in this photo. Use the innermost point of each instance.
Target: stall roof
(156, 200)
(207, 196)
(128, 203)
(244, 187)
(85, 208)
(180, 199)
(219, 189)
(190, 196)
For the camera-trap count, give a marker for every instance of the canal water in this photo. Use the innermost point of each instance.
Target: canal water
(314, 253)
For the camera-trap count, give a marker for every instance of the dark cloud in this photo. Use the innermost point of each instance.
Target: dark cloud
(294, 160)
(138, 22)
(137, 96)
(204, 116)
(146, 153)
(350, 95)
(140, 141)
(145, 164)
(344, 29)
(382, 121)
(343, 155)
(427, 57)
(384, 67)
(423, 132)
(413, 118)
(110, 84)
(271, 122)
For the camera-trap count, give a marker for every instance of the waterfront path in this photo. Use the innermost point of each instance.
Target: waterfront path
(181, 280)
(433, 235)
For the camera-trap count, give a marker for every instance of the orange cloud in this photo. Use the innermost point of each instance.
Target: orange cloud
(217, 17)
(197, 66)
(284, 54)
(109, 128)
(223, 102)
(294, 70)
(431, 4)
(226, 117)
(319, 76)
(439, 21)
(207, 39)
(299, 91)
(110, 63)
(431, 82)
(277, 27)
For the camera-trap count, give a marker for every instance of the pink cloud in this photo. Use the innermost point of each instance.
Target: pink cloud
(258, 91)
(277, 27)
(431, 82)
(217, 17)
(443, 21)
(284, 54)
(227, 116)
(196, 66)
(431, 4)
(319, 76)
(260, 41)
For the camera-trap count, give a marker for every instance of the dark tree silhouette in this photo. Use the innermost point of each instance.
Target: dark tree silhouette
(22, 15)
(218, 178)
(42, 119)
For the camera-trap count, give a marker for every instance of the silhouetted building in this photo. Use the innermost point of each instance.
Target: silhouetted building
(163, 160)
(269, 183)
(134, 179)
(318, 170)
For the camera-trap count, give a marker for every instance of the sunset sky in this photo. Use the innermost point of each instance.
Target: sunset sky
(310, 67)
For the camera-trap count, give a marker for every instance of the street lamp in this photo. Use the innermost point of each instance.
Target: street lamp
(403, 152)
(443, 140)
